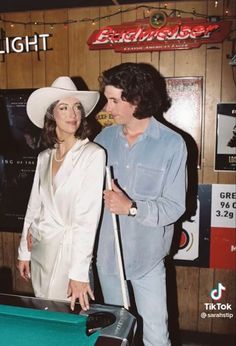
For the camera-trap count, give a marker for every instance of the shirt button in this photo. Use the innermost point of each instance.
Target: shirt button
(126, 144)
(127, 166)
(125, 188)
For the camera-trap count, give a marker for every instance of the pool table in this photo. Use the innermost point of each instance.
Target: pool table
(119, 333)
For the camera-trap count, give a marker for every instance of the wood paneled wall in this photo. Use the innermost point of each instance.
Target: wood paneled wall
(71, 56)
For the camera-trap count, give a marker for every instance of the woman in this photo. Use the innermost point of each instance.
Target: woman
(65, 202)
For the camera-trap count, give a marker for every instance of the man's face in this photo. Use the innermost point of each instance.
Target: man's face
(121, 111)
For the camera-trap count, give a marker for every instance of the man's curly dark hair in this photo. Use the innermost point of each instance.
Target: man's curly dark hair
(141, 85)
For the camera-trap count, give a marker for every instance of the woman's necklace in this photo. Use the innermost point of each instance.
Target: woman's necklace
(55, 157)
(64, 155)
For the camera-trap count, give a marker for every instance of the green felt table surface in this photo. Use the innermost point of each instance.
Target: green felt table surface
(30, 327)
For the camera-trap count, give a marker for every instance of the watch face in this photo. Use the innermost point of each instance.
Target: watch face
(133, 211)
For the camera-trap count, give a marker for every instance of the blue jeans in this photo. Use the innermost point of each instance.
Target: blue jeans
(150, 298)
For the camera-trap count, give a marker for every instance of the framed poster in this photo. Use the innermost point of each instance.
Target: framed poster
(225, 149)
(19, 147)
(186, 110)
(194, 235)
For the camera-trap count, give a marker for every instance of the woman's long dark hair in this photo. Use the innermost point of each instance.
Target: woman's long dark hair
(49, 135)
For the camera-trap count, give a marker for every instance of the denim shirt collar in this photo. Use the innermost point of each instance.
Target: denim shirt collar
(153, 130)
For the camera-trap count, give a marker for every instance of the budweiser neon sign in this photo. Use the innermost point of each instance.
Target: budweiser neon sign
(183, 33)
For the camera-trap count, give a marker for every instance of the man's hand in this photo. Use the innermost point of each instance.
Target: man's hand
(24, 269)
(117, 201)
(82, 291)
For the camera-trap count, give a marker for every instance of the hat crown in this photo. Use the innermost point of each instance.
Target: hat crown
(40, 99)
(64, 82)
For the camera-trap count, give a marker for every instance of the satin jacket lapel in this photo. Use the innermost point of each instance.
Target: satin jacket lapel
(63, 173)
(46, 182)
(66, 168)
(45, 174)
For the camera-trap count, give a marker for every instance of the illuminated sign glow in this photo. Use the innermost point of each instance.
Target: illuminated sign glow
(21, 44)
(177, 33)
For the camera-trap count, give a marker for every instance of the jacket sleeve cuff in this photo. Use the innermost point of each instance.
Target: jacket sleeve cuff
(80, 273)
(24, 255)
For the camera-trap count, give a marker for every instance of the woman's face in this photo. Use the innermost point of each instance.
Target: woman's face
(67, 115)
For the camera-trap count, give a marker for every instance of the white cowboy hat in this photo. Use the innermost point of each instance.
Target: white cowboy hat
(62, 87)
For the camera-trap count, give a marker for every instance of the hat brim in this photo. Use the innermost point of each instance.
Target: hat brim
(39, 101)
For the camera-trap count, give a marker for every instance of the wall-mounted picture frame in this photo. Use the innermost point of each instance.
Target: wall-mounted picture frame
(186, 110)
(194, 235)
(19, 148)
(225, 147)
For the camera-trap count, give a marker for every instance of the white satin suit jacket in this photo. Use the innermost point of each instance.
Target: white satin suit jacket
(63, 216)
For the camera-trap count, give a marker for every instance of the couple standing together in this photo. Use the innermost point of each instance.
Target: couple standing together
(148, 193)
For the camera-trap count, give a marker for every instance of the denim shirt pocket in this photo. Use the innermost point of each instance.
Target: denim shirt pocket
(147, 183)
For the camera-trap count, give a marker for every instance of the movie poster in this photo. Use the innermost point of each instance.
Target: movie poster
(225, 151)
(19, 147)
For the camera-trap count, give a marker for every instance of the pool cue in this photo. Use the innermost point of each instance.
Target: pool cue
(118, 247)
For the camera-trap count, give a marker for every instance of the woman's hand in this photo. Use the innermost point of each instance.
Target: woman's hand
(82, 291)
(29, 239)
(24, 269)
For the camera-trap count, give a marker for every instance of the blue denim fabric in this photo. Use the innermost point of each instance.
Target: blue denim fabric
(150, 296)
(153, 173)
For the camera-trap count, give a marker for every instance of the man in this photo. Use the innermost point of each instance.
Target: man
(148, 192)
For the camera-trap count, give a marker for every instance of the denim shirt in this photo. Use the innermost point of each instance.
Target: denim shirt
(152, 172)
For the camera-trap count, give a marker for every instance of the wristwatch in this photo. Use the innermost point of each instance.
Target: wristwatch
(133, 209)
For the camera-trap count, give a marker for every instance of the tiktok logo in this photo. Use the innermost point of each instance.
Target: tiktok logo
(216, 293)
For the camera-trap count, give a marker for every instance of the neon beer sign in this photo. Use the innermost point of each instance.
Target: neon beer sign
(177, 33)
